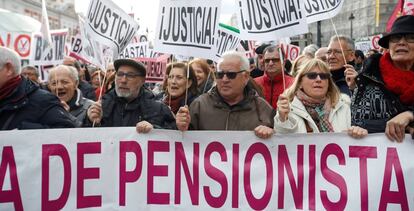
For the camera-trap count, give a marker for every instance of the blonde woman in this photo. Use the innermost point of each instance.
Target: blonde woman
(313, 104)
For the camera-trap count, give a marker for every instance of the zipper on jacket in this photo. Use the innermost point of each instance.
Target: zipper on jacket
(227, 120)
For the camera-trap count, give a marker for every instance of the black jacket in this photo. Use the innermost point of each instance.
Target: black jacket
(87, 90)
(117, 112)
(29, 107)
(372, 104)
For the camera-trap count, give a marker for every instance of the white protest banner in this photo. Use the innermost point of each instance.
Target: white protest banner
(228, 39)
(267, 20)
(19, 42)
(135, 50)
(187, 27)
(56, 51)
(110, 25)
(291, 51)
(321, 10)
(366, 43)
(248, 47)
(119, 169)
(76, 48)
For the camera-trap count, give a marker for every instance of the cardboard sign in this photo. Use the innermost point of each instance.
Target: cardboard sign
(366, 43)
(110, 25)
(267, 20)
(19, 42)
(119, 169)
(42, 54)
(228, 39)
(321, 10)
(188, 27)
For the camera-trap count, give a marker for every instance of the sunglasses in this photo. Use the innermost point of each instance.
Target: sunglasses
(313, 75)
(230, 75)
(397, 37)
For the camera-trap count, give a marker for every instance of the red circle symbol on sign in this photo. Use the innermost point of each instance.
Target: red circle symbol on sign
(294, 52)
(22, 45)
(375, 42)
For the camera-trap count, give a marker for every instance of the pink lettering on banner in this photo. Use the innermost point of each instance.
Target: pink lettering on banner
(296, 187)
(192, 184)
(387, 196)
(87, 173)
(235, 177)
(156, 170)
(333, 177)
(363, 153)
(312, 176)
(12, 195)
(215, 174)
(261, 203)
(124, 175)
(58, 150)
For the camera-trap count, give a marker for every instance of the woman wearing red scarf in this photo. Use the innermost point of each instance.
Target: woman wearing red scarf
(383, 98)
(313, 104)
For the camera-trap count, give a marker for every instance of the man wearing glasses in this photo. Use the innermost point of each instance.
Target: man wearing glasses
(230, 105)
(340, 68)
(130, 104)
(273, 81)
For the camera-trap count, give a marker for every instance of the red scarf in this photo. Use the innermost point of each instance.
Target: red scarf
(174, 104)
(9, 87)
(398, 81)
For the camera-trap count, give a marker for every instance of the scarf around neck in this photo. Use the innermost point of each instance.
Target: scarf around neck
(9, 87)
(319, 110)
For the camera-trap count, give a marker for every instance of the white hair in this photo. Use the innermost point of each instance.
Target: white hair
(9, 56)
(350, 43)
(244, 62)
(310, 50)
(71, 70)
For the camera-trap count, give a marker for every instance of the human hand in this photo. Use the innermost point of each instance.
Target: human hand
(357, 132)
(395, 129)
(95, 112)
(144, 127)
(283, 108)
(350, 76)
(183, 119)
(263, 132)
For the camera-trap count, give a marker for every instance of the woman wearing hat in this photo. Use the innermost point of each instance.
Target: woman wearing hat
(383, 93)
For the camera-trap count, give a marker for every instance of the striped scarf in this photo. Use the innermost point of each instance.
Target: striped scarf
(318, 109)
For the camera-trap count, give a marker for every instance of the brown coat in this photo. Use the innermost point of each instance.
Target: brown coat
(210, 112)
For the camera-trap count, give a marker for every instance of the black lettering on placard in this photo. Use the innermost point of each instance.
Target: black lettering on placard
(188, 26)
(106, 22)
(245, 44)
(257, 16)
(77, 46)
(39, 48)
(226, 42)
(314, 7)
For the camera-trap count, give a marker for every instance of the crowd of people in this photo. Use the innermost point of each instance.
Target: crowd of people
(329, 89)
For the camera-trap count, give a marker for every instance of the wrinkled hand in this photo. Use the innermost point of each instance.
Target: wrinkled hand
(357, 132)
(395, 129)
(95, 112)
(144, 127)
(183, 119)
(65, 105)
(350, 76)
(263, 132)
(283, 108)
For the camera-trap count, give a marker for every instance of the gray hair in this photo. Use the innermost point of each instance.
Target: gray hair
(9, 56)
(310, 50)
(244, 62)
(28, 67)
(350, 43)
(73, 72)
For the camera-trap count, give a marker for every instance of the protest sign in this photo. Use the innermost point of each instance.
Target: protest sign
(366, 43)
(187, 27)
(134, 50)
(110, 25)
(321, 10)
(248, 47)
(44, 54)
(227, 40)
(19, 42)
(155, 68)
(267, 20)
(166, 170)
(291, 51)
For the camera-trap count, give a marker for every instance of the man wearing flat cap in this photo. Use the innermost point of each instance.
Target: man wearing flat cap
(383, 93)
(130, 103)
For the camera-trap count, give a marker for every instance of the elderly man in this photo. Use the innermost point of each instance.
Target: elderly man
(130, 104)
(31, 73)
(273, 80)
(87, 90)
(321, 54)
(22, 104)
(341, 58)
(230, 105)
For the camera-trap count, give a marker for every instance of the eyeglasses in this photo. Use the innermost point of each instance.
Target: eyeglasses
(396, 38)
(322, 76)
(336, 52)
(129, 76)
(230, 75)
(274, 60)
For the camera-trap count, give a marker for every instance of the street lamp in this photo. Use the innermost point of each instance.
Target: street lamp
(351, 18)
